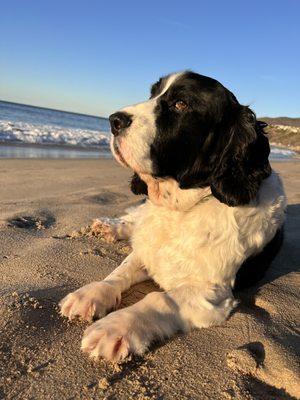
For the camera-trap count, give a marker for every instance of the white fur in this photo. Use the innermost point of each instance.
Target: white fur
(209, 242)
(193, 254)
(98, 298)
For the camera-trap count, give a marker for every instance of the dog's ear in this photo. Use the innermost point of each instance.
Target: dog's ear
(243, 159)
(137, 185)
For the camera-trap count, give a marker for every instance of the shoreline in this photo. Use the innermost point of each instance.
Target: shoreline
(64, 151)
(296, 149)
(57, 152)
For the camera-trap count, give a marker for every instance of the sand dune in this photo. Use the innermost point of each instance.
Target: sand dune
(252, 356)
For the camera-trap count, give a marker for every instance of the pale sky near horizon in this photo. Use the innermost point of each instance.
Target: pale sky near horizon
(95, 57)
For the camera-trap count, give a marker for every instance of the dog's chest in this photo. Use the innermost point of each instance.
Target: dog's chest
(173, 244)
(210, 241)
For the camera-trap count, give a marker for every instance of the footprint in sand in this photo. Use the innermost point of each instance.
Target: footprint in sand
(107, 197)
(43, 220)
(249, 361)
(247, 358)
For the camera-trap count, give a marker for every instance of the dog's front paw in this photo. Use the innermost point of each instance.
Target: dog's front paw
(115, 337)
(108, 231)
(91, 301)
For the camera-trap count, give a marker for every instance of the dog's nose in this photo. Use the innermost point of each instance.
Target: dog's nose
(119, 121)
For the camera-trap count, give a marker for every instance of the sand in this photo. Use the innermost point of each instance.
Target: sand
(252, 356)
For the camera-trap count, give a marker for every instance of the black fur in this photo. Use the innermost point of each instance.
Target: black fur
(215, 142)
(255, 267)
(137, 185)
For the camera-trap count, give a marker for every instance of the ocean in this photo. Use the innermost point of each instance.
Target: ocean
(35, 132)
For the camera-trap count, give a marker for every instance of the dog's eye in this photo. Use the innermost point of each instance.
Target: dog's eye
(180, 105)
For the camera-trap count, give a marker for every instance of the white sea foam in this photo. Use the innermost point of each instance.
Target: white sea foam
(282, 152)
(23, 132)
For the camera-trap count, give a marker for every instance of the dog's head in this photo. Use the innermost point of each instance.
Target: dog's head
(194, 130)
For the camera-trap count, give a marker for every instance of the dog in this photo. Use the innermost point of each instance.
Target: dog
(211, 224)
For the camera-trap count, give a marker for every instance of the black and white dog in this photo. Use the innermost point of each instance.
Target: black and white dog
(212, 221)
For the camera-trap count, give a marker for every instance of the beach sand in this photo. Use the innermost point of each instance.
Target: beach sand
(251, 356)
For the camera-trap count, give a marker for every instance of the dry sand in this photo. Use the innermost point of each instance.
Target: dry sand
(252, 356)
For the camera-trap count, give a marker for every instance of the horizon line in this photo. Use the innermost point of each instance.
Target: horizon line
(52, 109)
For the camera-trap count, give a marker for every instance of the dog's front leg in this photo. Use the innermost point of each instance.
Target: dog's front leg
(98, 298)
(159, 315)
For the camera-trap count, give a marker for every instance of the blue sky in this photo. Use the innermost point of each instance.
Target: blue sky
(97, 56)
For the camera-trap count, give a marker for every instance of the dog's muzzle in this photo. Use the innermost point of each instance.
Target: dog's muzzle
(119, 121)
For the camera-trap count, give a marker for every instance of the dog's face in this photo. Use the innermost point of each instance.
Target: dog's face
(193, 129)
(135, 129)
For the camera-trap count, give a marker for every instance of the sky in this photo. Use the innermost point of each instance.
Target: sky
(97, 56)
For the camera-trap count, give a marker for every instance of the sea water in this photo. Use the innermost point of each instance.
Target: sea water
(34, 132)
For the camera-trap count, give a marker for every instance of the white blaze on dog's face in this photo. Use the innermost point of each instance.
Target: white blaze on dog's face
(132, 147)
(194, 131)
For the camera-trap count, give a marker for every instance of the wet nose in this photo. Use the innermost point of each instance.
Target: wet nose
(119, 121)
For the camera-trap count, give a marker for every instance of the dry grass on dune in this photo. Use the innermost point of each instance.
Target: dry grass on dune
(283, 135)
